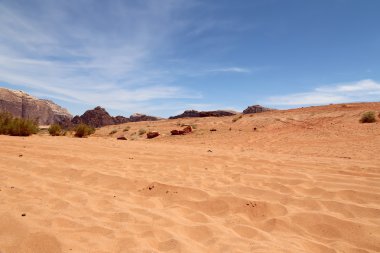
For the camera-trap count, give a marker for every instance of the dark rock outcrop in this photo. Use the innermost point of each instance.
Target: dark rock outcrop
(121, 120)
(23, 105)
(99, 117)
(195, 114)
(186, 130)
(256, 109)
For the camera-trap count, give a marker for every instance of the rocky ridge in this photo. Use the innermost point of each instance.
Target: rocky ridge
(23, 105)
(195, 114)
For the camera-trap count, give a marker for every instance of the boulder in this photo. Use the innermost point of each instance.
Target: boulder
(151, 135)
(256, 109)
(186, 130)
(23, 105)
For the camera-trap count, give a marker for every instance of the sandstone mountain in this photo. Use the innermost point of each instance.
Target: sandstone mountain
(194, 114)
(255, 109)
(23, 105)
(99, 117)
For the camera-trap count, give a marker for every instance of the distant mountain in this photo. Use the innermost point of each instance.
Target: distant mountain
(99, 117)
(256, 109)
(194, 114)
(23, 105)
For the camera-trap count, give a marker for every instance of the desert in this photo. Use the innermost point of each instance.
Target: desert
(299, 180)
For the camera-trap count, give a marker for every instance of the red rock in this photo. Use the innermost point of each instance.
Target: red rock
(187, 129)
(151, 135)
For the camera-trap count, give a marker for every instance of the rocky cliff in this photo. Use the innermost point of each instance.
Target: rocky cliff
(23, 105)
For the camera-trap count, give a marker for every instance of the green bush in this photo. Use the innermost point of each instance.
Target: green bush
(126, 129)
(83, 130)
(16, 126)
(142, 131)
(55, 130)
(368, 117)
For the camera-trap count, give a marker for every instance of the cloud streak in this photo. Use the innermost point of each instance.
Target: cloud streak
(231, 70)
(360, 91)
(87, 59)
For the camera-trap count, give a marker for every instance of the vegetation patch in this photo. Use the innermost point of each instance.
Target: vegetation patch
(142, 131)
(126, 129)
(83, 130)
(237, 118)
(113, 132)
(55, 130)
(368, 117)
(16, 126)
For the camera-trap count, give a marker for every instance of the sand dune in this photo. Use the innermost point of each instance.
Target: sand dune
(306, 180)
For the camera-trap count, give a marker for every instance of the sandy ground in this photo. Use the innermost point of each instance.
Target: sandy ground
(306, 180)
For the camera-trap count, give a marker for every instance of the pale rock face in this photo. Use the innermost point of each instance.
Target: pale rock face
(23, 105)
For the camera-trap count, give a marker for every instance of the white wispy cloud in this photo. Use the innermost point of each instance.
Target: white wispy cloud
(360, 91)
(56, 51)
(231, 69)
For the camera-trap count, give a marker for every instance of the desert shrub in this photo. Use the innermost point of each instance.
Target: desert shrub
(55, 130)
(237, 118)
(113, 132)
(126, 129)
(368, 117)
(83, 130)
(5, 122)
(142, 131)
(16, 126)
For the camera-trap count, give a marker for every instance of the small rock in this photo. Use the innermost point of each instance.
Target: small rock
(20, 155)
(212, 130)
(151, 135)
(254, 129)
(24, 214)
(122, 138)
(187, 130)
(209, 150)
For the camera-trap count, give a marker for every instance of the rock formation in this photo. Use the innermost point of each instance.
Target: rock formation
(23, 105)
(142, 117)
(255, 109)
(99, 117)
(194, 114)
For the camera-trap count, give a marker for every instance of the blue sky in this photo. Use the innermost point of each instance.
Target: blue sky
(161, 57)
